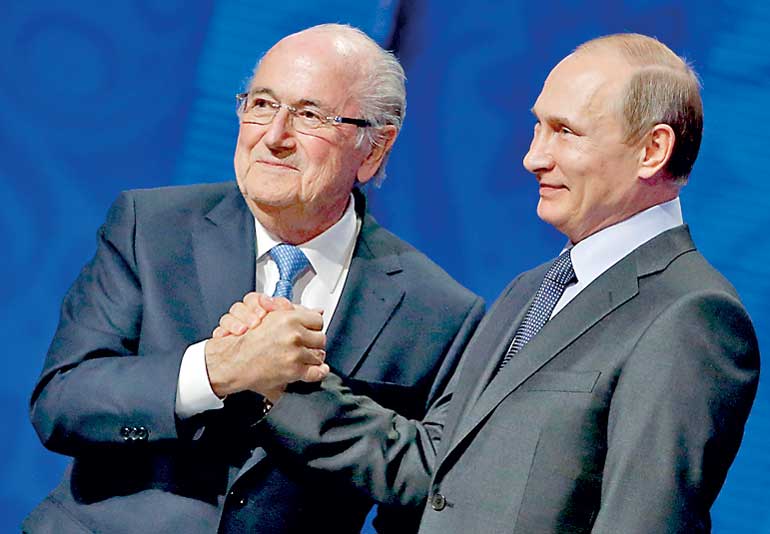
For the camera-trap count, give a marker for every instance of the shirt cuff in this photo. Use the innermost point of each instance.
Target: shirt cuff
(193, 391)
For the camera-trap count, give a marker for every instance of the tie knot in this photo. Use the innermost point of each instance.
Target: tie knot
(561, 270)
(290, 261)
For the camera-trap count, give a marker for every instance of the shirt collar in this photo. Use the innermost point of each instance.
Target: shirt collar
(600, 251)
(328, 252)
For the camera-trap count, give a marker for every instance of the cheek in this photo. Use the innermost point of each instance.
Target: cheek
(323, 161)
(243, 146)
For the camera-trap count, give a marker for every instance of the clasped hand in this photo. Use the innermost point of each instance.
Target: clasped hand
(262, 344)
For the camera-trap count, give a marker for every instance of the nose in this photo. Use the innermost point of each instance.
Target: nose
(538, 158)
(279, 136)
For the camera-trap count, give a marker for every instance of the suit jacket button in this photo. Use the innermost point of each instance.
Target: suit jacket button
(437, 502)
(142, 433)
(125, 433)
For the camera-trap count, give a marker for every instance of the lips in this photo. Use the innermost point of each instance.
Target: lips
(546, 186)
(276, 165)
(547, 189)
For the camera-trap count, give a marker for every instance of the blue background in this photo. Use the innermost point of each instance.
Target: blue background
(97, 98)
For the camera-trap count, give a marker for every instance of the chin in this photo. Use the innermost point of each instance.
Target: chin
(547, 212)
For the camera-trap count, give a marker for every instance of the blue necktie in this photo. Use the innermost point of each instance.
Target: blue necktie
(559, 276)
(291, 261)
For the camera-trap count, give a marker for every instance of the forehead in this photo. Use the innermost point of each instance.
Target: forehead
(583, 85)
(306, 68)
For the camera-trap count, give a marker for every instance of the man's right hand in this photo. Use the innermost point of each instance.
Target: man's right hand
(286, 346)
(249, 313)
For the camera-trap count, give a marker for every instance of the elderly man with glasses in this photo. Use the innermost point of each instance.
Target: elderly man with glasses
(157, 410)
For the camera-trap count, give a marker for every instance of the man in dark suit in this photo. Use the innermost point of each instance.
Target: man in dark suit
(158, 416)
(606, 391)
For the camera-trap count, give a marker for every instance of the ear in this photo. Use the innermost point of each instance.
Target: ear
(656, 150)
(372, 162)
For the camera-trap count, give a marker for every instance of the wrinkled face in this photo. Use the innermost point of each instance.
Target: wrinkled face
(277, 167)
(588, 176)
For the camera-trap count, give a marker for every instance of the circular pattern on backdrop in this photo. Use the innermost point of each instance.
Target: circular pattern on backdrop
(53, 50)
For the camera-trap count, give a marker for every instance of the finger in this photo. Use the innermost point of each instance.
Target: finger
(312, 339)
(282, 303)
(252, 302)
(265, 302)
(232, 325)
(312, 357)
(219, 332)
(242, 313)
(310, 319)
(274, 303)
(315, 373)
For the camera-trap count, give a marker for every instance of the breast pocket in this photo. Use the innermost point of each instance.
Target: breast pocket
(564, 381)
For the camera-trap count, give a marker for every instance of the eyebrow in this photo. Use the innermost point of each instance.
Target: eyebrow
(558, 119)
(262, 91)
(271, 93)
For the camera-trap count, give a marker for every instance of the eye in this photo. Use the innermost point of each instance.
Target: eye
(309, 114)
(261, 103)
(310, 117)
(565, 130)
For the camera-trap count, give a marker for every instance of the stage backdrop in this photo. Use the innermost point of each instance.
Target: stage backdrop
(99, 97)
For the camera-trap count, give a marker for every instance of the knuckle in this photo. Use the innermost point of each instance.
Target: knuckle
(295, 338)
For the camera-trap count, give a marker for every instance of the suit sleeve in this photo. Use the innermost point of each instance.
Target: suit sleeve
(96, 389)
(677, 417)
(384, 454)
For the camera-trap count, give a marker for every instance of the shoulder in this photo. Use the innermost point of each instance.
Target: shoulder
(688, 274)
(197, 197)
(171, 205)
(691, 317)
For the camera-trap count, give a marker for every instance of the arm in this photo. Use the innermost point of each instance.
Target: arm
(103, 385)
(385, 455)
(94, 383)
(677, 416)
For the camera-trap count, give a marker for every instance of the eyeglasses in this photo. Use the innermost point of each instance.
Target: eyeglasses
(304, 119)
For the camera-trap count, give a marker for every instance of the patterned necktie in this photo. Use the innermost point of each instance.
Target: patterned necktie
(559, 276)
(291, 261)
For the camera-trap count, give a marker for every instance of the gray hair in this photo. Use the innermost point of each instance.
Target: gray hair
(380, 85)
(664, 89)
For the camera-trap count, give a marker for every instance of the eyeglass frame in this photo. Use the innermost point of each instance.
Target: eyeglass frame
(242, 98)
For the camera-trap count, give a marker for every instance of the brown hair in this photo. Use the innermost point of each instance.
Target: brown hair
(664, 89)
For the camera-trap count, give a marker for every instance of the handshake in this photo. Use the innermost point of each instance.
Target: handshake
(264, 343)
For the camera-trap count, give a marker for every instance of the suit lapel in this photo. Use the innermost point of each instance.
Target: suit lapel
(370, 296)
(224, 252)
(606, 293)
(612, 289)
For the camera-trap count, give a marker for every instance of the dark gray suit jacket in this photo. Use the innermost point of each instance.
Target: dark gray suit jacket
(169, 262)
(621, 416)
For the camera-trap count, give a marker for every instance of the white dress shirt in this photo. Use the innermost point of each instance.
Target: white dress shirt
(598, 252)
(319, 287)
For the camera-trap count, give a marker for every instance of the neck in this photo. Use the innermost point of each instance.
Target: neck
(646, 198)
(295, 224)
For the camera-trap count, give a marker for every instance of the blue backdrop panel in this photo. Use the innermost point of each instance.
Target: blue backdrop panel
(97, 98)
